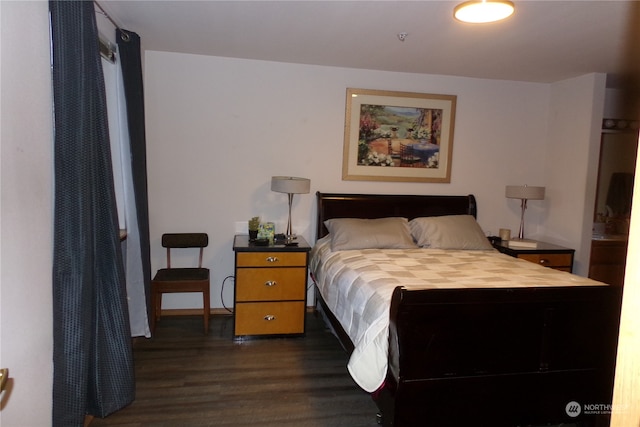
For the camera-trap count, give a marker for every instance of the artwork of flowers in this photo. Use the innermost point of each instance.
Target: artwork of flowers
(398, 136)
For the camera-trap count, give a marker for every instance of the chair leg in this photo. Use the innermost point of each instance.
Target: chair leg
(206, 304)
(156, 308)
(152, 320)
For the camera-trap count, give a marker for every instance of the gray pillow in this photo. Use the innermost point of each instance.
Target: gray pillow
(449, 232)
(381, 233)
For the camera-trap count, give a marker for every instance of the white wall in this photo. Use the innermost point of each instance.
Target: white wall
(571, 164)
(26, 344)
(219, 128)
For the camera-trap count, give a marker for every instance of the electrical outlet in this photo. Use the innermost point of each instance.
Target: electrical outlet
(241, 227)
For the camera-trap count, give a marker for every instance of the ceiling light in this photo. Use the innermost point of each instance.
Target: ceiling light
(481, 11)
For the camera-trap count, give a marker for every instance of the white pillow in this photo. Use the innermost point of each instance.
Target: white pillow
(380, 233)
(449, 232)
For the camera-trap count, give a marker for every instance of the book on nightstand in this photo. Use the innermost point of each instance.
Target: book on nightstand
(517, 243)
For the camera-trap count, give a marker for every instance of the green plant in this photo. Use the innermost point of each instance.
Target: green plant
(254, 223)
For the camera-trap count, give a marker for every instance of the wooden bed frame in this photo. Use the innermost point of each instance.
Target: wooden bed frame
(487, 357)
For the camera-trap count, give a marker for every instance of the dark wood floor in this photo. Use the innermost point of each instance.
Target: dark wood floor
(187, 379)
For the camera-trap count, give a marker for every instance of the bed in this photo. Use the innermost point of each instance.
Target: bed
(489, 340)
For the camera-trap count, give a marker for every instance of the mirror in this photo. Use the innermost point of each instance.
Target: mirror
(616, 169)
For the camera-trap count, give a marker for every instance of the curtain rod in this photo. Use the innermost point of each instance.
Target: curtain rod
(123, 34)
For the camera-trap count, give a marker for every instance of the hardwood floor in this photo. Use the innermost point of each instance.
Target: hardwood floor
(187, 379)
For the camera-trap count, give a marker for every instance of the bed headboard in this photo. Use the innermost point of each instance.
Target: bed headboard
(334, 205)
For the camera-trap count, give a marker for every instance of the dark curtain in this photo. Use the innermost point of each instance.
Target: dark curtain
(92, 354)
(620, 194)
(131, 65)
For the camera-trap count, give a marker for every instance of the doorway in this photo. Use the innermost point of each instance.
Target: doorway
(612, 213)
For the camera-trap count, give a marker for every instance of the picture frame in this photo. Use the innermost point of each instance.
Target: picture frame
(398, 136)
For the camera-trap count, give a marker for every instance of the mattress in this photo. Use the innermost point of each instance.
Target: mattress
(357, 286)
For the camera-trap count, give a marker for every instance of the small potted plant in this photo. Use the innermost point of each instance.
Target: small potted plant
(254, 224)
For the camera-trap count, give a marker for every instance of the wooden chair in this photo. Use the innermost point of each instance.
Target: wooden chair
(176, 280)
(407, 156)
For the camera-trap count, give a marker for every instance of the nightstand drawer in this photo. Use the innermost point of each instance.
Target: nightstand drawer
(271, 259)
(270, 284)
(549, 260)
(269, 318)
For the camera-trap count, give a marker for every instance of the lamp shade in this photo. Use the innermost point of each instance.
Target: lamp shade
(290, 184)
(524, 192)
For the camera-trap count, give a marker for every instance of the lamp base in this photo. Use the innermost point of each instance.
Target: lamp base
(523, 243)
(523, 206)
(286, 239)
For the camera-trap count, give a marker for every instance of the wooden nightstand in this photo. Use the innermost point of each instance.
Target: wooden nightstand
(270, 288)
(545, 254)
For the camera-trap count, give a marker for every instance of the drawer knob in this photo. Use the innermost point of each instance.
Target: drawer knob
(272, 259)
(544, 261)
(269, 317)
(270, 283)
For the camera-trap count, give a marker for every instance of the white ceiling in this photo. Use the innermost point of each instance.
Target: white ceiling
(544, 41)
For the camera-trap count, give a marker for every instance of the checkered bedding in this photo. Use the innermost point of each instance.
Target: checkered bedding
(357, 286)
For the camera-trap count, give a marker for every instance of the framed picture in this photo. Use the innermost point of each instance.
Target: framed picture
(398, 136)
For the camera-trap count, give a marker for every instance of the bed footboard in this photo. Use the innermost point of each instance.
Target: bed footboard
(500, 357)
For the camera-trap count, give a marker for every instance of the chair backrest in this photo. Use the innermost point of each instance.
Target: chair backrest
(185, 240)
(407, 155)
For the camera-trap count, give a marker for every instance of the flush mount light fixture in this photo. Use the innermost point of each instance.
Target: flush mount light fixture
(482, 11)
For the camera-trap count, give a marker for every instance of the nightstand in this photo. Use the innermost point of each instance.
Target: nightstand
(270, 288)
(545, 254)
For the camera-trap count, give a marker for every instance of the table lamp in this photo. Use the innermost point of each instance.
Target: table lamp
(524, 193)
(290, 185)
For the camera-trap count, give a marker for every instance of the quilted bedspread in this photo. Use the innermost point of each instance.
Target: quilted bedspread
(357, 286)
